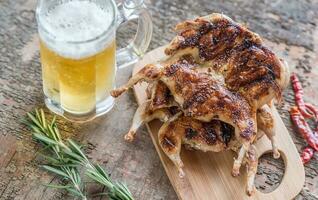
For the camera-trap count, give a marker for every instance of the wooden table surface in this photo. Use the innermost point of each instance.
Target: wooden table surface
(290, 28)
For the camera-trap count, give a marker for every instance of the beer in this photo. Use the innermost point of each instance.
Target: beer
(78, 75)
(78, 52)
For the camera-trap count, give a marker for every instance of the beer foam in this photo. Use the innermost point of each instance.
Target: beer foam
(74, 22)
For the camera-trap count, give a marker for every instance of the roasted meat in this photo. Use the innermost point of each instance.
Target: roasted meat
(203, 98)
(213, 92)
(213, 136)
(235, 53)
(206, 136)
(200, 96)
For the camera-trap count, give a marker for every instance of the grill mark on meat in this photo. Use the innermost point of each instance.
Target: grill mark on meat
(218, 42)
(190, 133)
(213, 39)
(203, 95)
(172, 69)
(198, 97)
(189, 58)
(245, 78)
(250, 65)
(261, 89)
(215, 100)
(209, 135)
(225, 42)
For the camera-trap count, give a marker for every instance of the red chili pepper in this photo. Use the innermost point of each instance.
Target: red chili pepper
(303, 128)
(299, 93)
(307, 154)
(312, 109)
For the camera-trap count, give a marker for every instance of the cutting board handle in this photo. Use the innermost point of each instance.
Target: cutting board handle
(293, 166)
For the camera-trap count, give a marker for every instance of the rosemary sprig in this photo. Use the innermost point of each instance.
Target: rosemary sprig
(66, 156)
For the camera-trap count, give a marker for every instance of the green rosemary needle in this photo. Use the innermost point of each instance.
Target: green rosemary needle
(66, 156)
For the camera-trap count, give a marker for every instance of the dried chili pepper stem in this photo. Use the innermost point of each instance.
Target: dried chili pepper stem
(299, 94)
(303, 128)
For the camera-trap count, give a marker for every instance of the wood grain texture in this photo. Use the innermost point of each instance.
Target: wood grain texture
(290, 28)
(208, 174)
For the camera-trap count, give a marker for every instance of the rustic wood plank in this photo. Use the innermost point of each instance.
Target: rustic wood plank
(289, 26)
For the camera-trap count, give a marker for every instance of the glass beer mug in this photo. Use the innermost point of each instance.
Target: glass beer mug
(78, 52)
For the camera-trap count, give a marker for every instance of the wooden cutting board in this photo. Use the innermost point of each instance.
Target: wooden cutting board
(208, 175)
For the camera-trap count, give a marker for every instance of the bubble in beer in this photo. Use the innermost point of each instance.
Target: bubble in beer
(75, 22)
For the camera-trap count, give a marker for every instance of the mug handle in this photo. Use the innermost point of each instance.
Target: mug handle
(129, 10)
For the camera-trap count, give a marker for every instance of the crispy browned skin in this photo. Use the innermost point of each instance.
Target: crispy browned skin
(160, 97)
(200, 96)
(206, 136)
(203, 98)
(242, 77)
(235, 52)
(265, 122)
(213, 136)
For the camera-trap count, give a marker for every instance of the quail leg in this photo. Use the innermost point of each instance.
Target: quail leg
(143, 115)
